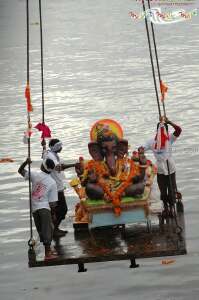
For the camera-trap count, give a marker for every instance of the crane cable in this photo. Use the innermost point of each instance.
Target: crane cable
(43, 143)
(156, 55)
(31, 242)
(151, 58)
(42, 65)
(157, 95)
(29, 109)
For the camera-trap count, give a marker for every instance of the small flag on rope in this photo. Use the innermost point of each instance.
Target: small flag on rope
(163, 89)
(46, 132)
(28, 98)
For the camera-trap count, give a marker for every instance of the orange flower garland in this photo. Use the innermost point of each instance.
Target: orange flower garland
(115, 197)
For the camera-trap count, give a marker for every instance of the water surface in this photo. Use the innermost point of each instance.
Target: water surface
(96, 65)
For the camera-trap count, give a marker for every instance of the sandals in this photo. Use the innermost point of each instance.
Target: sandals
(52, 254)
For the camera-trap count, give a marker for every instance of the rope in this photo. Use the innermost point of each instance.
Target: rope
(156, 55)
(29, 125)
(43, 143)
(42, 66)
(151, 58)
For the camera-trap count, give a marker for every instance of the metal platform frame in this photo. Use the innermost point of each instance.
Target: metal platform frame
(114, 243)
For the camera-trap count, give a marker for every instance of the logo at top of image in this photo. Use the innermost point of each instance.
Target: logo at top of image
(171, 2)
(156, 16)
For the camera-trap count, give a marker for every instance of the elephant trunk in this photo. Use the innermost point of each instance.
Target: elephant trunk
(111, 163)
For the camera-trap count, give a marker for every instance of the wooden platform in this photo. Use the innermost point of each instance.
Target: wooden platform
(117, 243)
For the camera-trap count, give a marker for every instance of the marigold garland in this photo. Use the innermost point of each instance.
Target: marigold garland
(102, 171)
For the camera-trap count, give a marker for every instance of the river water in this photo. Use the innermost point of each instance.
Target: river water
(96, 65)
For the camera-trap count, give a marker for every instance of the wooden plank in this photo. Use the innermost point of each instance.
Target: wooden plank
(118, 243)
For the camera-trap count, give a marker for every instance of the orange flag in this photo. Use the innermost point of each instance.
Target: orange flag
(163, 89)
(28, 98)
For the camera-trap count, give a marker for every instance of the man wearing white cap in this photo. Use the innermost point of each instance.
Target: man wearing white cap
(55, 147)
(44, 200)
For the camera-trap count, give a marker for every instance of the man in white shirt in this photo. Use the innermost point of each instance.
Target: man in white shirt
(55, 147)
(161, 147)
(44, 199)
